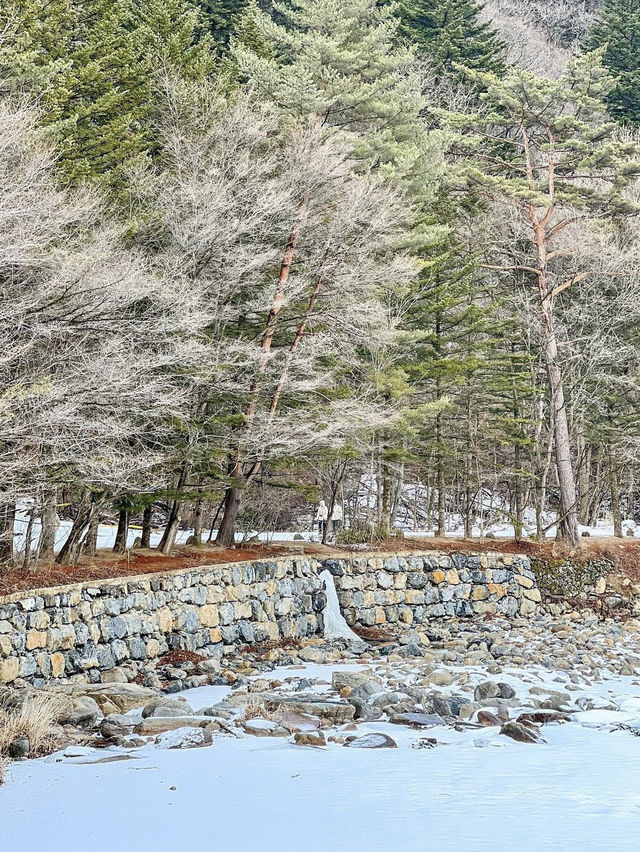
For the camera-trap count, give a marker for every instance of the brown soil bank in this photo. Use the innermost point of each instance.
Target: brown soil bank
(107, 565)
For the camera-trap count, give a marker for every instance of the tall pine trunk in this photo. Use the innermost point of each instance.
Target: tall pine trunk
(120, 544)
(568, 509)
(69, 550)
(168, 539)
(147, 517)
(227, 528)
(7, 524)
(614, 489)
(49, 525)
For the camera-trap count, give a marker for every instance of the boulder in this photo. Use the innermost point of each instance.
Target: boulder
(258, 727)
(418, 720)
(542, 717)
(519, 732)
(84, 713)
(441, 678)
(486, 689)
(371, 741)
(111, 697)
(306, 738)
(337, 711)
(165, 706)
(299, 722)
(19, 748)
(362, 684)
(506, 691)
(159, 724)
(184, 738)
(488, 719)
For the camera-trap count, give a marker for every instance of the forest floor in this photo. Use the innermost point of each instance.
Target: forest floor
(107, 565)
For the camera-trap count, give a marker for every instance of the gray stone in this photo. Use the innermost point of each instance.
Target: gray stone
(417, 720)
(19, 748)
(517, 731)
(166, 707)
(338, 711)
(372, 741)
(486, 689)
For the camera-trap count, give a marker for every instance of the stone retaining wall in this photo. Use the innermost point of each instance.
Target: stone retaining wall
(412, 589)
(80, 631)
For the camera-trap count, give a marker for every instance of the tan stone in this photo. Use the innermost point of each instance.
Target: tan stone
(451, 576)
(36, 639)
(94, 630)
(215, 636)
(62, 638)
(413, 596)
(153, 648)
(209, 616)
(438, 576)
(57, 664)
(39, 620)
(369, 599)
(526, 582)
(5, 645)
(400, 581)
(272, 630)
(215, 595)
(75, 596)
(485, 607)
(406, 616)
(601, 586)
(164, 619)
(159, 724)
(271, 587)
(527, 607)
(9, 669)
(479, 593)
(381, 617)
(533, 595)
(242, 610)
(230, 594)
(497, 589)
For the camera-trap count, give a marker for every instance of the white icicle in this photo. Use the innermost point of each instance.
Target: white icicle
(335, 627)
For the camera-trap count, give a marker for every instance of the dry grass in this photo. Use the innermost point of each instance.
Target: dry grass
(34, 719)
(256, 709)
(4, 762)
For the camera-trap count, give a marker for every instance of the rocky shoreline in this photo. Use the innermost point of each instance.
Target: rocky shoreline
(515, 675)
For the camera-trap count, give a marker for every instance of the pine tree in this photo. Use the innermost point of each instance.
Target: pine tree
(337, 64)
(333, 67)
(172, 34)
(221, 17)
(448, 33)
(34, 46)
(105, 96)
(93, 66)
(617, 30)
(547, 149)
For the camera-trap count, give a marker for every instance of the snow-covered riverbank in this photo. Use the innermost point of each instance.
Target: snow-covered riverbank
(476, 789)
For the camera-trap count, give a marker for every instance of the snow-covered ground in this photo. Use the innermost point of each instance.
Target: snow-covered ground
(107, 533)
(476, 790)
